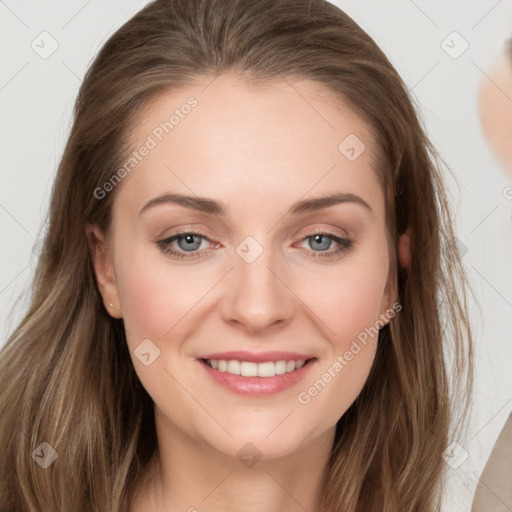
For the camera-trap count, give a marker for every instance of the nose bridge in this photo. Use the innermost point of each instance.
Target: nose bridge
(256, 294)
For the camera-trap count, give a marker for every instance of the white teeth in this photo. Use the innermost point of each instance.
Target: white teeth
(250, 369)
(233, 367)
(280, 367)
(266, 369)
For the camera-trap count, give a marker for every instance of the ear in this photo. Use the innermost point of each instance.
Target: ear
(404, 255)
(404, 248)
(104, 270)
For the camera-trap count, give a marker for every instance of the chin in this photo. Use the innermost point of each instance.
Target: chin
(258, 445)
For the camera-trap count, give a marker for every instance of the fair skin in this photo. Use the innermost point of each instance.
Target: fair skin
(258, 151)
(495, 109)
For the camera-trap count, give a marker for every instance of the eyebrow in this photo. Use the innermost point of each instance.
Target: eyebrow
(214, 207)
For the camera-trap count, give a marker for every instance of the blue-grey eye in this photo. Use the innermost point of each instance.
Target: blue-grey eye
(189, 244)
(323, 241)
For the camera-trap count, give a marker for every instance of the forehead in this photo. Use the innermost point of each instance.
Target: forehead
(231, 139)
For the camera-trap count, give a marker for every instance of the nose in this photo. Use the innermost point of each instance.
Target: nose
(257, 296)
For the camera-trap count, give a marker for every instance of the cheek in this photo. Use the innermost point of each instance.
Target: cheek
(336, 384)
(349, 304)
(347, 299)
(155, 297)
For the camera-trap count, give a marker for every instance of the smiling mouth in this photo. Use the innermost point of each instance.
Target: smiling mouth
(251, 369)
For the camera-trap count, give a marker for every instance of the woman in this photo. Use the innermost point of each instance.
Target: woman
(238, 305)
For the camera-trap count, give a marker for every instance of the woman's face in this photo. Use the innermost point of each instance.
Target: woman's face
(257, 278)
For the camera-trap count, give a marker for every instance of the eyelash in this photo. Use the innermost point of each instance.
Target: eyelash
(165, 245)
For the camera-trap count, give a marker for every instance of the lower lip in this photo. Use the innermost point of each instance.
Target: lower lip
(258, 386)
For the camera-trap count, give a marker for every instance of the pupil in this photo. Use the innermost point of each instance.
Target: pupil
(318, 239)
(190, 244)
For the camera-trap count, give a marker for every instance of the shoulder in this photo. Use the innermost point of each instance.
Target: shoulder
(494, 489)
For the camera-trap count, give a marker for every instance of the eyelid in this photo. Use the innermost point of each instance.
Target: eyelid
(328, 231)
(174, 236)
(188, 229)
(166, 247)
(185, 229)
(345, 243)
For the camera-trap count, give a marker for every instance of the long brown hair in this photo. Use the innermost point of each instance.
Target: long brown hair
(66, 374)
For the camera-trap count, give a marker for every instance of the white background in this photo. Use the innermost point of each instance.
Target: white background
(37, 95)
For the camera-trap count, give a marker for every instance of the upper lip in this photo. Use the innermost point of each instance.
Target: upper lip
(257, 357)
